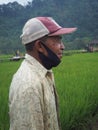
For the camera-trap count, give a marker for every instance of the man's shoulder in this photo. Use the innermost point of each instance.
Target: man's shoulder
(25, 79)
(26, 73)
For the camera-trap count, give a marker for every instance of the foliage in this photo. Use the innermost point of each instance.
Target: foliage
(72, 13)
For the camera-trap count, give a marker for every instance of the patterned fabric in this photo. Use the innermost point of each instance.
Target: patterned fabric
(33, 103)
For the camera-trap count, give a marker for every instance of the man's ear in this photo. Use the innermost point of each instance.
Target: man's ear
(39, 46)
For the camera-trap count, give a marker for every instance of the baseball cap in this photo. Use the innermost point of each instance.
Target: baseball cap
(38, 27)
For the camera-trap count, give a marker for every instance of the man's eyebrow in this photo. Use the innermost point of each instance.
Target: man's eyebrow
(59, 36)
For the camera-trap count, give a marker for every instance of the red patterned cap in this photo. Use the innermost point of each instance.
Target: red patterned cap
(38, 27)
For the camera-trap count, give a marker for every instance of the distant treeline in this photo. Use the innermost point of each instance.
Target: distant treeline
(70, 13)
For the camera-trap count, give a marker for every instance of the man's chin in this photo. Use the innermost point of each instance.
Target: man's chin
(60, 56)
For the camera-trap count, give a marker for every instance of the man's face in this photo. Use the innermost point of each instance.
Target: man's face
(55, 44)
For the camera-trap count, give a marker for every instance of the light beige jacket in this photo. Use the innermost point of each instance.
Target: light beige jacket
(32, 98)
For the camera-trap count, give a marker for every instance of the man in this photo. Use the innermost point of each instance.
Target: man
(33, 103)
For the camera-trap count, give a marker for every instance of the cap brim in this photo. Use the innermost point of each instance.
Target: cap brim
(63, 31)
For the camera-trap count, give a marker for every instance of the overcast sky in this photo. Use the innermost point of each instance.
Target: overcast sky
(23, 2)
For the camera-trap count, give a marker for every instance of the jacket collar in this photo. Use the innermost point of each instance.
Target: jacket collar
(38, 67)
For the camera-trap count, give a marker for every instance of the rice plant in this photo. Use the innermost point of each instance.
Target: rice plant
(77, 84)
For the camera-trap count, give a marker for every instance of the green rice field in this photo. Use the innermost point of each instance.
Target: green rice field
(77, 85)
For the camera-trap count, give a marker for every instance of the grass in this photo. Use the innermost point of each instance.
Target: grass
(7, 69)
(77, 85)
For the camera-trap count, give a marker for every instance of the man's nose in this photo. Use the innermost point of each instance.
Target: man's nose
(62, 46)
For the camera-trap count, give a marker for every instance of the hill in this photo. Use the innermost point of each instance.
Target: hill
(72, 13)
